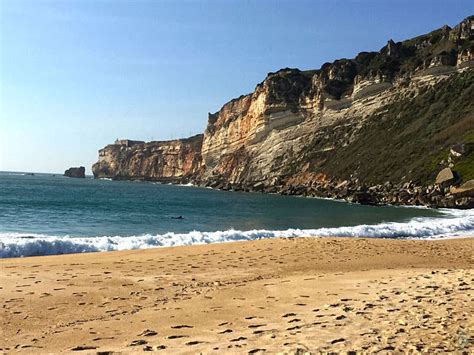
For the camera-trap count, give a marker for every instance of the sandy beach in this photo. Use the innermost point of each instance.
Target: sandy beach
(274, 295)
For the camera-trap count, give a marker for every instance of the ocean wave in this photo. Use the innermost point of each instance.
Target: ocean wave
(12, 174)
(455, 223)
(189, 184)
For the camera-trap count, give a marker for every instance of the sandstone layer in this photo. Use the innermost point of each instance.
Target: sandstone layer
(373, 129)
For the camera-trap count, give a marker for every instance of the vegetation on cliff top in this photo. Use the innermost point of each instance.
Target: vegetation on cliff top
(406, 140)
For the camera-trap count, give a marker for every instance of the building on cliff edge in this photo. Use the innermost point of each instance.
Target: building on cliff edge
(127, 142)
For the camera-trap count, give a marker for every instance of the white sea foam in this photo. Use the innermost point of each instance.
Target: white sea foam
(453, 224)
(189, 184)
(12, 174)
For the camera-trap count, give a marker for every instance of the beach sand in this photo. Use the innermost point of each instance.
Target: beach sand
(275, 295)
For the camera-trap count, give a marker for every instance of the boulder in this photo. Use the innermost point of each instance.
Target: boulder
(445, 177)
(457, 150)
(342, 184)
(364, 198)
(466, 189)
(76, 172)
(226, 187)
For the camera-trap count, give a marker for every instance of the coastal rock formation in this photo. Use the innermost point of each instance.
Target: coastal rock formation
(377, 128)
(445, 177)
(466, 189)
(160, 161)
(74, 172)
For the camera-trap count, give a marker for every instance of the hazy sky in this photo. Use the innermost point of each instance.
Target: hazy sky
(77, 74)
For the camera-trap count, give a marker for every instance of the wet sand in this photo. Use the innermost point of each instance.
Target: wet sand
(274, 295)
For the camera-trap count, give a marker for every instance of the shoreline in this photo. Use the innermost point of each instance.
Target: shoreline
(100, 251)
(449, 224)
(379, 199)
(363, 197)
(388, 194)
(281, 294)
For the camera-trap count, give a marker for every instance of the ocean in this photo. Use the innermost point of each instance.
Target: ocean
(44, 214)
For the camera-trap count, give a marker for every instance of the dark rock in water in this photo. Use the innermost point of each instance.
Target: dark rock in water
(465, 203)
(74, 172)
(227, 187)
(364, 198)
(258, 186)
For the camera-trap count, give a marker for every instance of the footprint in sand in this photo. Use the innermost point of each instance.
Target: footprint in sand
(182, 326)
(138, 342)
(238, 339)
(225, 331)
(294, 320)
(147, 333)
(84, 347)
(103, 338)
(194, 342)
(295, 327)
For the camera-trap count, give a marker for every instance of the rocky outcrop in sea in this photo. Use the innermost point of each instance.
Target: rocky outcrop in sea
(76, 172)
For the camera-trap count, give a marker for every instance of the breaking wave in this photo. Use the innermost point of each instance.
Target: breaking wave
(454, 223)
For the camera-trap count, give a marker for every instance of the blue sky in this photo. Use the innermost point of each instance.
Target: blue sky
(77, 74)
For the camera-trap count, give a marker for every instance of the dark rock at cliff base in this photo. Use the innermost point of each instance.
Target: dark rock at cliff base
(466, 189)
(75, 172)
(364, 198)
(465, 203)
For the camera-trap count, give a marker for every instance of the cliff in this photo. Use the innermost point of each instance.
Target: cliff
(384, 121)
(160, 161)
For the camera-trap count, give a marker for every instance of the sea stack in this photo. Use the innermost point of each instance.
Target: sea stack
(75, 172)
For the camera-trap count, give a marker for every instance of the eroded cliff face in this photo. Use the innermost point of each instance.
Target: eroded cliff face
(260, 137)
(159, 161)
(331, 129)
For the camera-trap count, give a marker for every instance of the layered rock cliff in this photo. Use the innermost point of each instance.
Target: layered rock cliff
(383, 120)
(159, 161)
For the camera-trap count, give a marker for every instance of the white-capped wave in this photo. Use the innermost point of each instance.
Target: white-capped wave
(454, 224)
(189, 184)
(12, 174)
